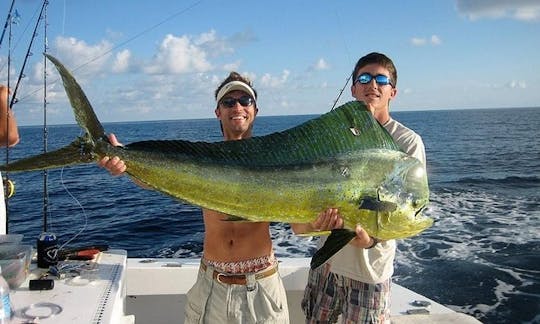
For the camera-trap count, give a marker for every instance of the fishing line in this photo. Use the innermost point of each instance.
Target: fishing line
(80, 206)
(348, 55)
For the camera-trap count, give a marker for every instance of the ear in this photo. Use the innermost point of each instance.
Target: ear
(394, 93)
(217, 112)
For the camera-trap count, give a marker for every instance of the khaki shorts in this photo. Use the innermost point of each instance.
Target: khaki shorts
(261, 299)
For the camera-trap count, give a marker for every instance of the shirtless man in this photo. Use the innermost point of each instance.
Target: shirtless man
(238, 280)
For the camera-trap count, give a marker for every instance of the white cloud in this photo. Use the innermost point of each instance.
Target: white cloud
(121, 62)
(320, 65)
(420, 41)
(523, 10)
(268, 80)
(233, 66)
(76, 54)
(514, 84)
(179, 55)
(212, 44)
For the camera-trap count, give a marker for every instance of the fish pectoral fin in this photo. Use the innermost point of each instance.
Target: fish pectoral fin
(374, 204)
(338, 239)
(316, 233)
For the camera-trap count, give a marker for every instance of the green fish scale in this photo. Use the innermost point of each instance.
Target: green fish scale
(327, 136)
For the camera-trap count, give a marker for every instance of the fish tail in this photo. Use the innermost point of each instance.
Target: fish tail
(338, 239)
(82, 150)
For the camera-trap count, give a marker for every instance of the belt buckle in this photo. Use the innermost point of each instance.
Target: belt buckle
(218, 278)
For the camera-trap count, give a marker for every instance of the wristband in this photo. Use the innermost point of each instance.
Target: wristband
(375, 242)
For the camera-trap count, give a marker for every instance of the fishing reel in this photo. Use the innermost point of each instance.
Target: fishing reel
(9, 187)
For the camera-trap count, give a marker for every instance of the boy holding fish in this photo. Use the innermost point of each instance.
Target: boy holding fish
(355, 282)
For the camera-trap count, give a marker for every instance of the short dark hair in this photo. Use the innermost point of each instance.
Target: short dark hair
(376, 58)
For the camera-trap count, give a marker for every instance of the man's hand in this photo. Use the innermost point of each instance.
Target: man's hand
(327, 220)
(114, 165)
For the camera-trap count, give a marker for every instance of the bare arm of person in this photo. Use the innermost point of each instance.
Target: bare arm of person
(9, 132)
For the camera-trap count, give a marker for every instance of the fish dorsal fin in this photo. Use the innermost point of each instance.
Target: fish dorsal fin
(84, 113)
(350, 127)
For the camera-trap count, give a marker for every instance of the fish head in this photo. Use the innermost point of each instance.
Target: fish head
(395, 207)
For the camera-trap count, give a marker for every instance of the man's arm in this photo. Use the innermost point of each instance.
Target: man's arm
(9, 133)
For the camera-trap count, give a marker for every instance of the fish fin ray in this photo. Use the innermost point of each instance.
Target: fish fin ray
(84, 113)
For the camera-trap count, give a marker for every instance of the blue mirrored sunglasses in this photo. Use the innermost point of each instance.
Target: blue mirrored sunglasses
(245, 101)
(381, 79)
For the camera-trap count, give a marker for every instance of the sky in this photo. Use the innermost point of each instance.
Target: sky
(162, 60)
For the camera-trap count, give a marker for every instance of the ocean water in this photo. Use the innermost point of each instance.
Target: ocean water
(481, 257)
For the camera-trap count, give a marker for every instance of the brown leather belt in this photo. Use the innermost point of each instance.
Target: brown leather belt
(238, 279)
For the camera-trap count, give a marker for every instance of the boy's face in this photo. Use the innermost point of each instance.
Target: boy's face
(376, 96)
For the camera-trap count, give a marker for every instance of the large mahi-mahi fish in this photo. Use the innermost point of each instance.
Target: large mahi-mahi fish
(343, 159)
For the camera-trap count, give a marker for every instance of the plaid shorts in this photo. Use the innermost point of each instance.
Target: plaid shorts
(329, 295)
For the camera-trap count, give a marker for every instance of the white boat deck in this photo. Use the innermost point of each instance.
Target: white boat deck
(118, 290)
(156, 293)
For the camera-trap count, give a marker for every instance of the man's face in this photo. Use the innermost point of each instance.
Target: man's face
(236, 114)
(376, 96)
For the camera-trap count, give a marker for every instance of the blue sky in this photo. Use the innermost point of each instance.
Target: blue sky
(157, 60)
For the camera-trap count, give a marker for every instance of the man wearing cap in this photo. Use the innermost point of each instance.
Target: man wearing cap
(238, 281)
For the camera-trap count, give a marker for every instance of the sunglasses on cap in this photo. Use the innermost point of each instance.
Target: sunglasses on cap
(244, 101)
(381, 79)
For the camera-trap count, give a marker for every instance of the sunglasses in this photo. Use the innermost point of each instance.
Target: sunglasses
(244, 101)
(381, 79)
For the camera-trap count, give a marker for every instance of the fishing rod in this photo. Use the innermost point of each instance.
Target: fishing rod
(341, 92)
(45, 130)
(8, 21)
(28, 54)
